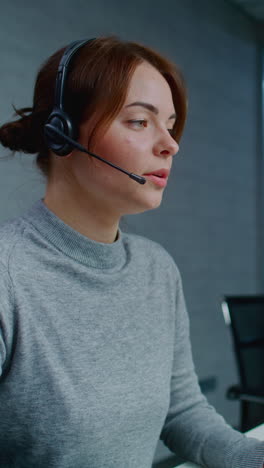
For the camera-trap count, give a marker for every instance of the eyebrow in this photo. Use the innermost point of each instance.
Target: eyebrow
(150, 107)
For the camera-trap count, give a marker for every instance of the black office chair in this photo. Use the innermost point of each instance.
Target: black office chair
(245, 316)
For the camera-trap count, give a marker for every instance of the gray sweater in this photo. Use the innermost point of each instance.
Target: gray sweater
(95, 356)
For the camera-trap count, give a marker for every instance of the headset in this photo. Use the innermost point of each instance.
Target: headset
(59, 130)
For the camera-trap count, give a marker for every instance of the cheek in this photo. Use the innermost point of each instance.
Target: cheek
(127, 151)
(116, 150)
(130, 147)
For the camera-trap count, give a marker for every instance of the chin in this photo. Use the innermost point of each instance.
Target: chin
(140, 206)
(153, 205)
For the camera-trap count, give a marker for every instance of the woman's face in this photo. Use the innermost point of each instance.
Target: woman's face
(138, 140)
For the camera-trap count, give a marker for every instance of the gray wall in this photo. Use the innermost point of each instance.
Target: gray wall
(208, 219)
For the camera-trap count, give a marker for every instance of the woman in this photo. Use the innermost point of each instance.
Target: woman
(94, 347)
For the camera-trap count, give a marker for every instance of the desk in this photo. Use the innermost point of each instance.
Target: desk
(257, 432)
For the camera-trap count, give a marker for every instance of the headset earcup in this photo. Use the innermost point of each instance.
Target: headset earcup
(59, 120)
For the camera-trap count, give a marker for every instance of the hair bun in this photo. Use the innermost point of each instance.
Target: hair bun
(19, 135)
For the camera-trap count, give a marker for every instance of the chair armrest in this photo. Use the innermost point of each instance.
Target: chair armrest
(235, 392)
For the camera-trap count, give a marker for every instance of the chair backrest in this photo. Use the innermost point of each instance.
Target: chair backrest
(245, 315)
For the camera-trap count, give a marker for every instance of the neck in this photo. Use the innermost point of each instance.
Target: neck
(82, 214)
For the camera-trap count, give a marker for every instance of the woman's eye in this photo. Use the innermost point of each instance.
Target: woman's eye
(143, 123)
(139, 123)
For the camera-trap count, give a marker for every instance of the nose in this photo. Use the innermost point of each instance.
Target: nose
(166, 145)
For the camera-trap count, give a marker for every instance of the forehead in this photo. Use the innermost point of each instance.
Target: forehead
(148, 84)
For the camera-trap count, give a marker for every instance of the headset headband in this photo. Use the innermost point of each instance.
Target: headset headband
(59, 120)
(63, 70)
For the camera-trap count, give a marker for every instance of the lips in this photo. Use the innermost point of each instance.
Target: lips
(163, 173)
(158, 177)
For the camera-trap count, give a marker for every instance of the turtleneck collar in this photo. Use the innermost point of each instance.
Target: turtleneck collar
(75, 245)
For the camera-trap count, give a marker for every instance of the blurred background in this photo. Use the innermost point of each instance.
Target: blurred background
(211, 218)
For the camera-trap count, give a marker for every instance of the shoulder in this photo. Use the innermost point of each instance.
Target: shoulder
(151, 252)
(11, 232)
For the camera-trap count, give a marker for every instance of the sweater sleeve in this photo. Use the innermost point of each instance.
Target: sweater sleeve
(6, 306)
(192, 427)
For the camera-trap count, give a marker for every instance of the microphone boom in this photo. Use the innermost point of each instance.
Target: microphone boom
(54, 131)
